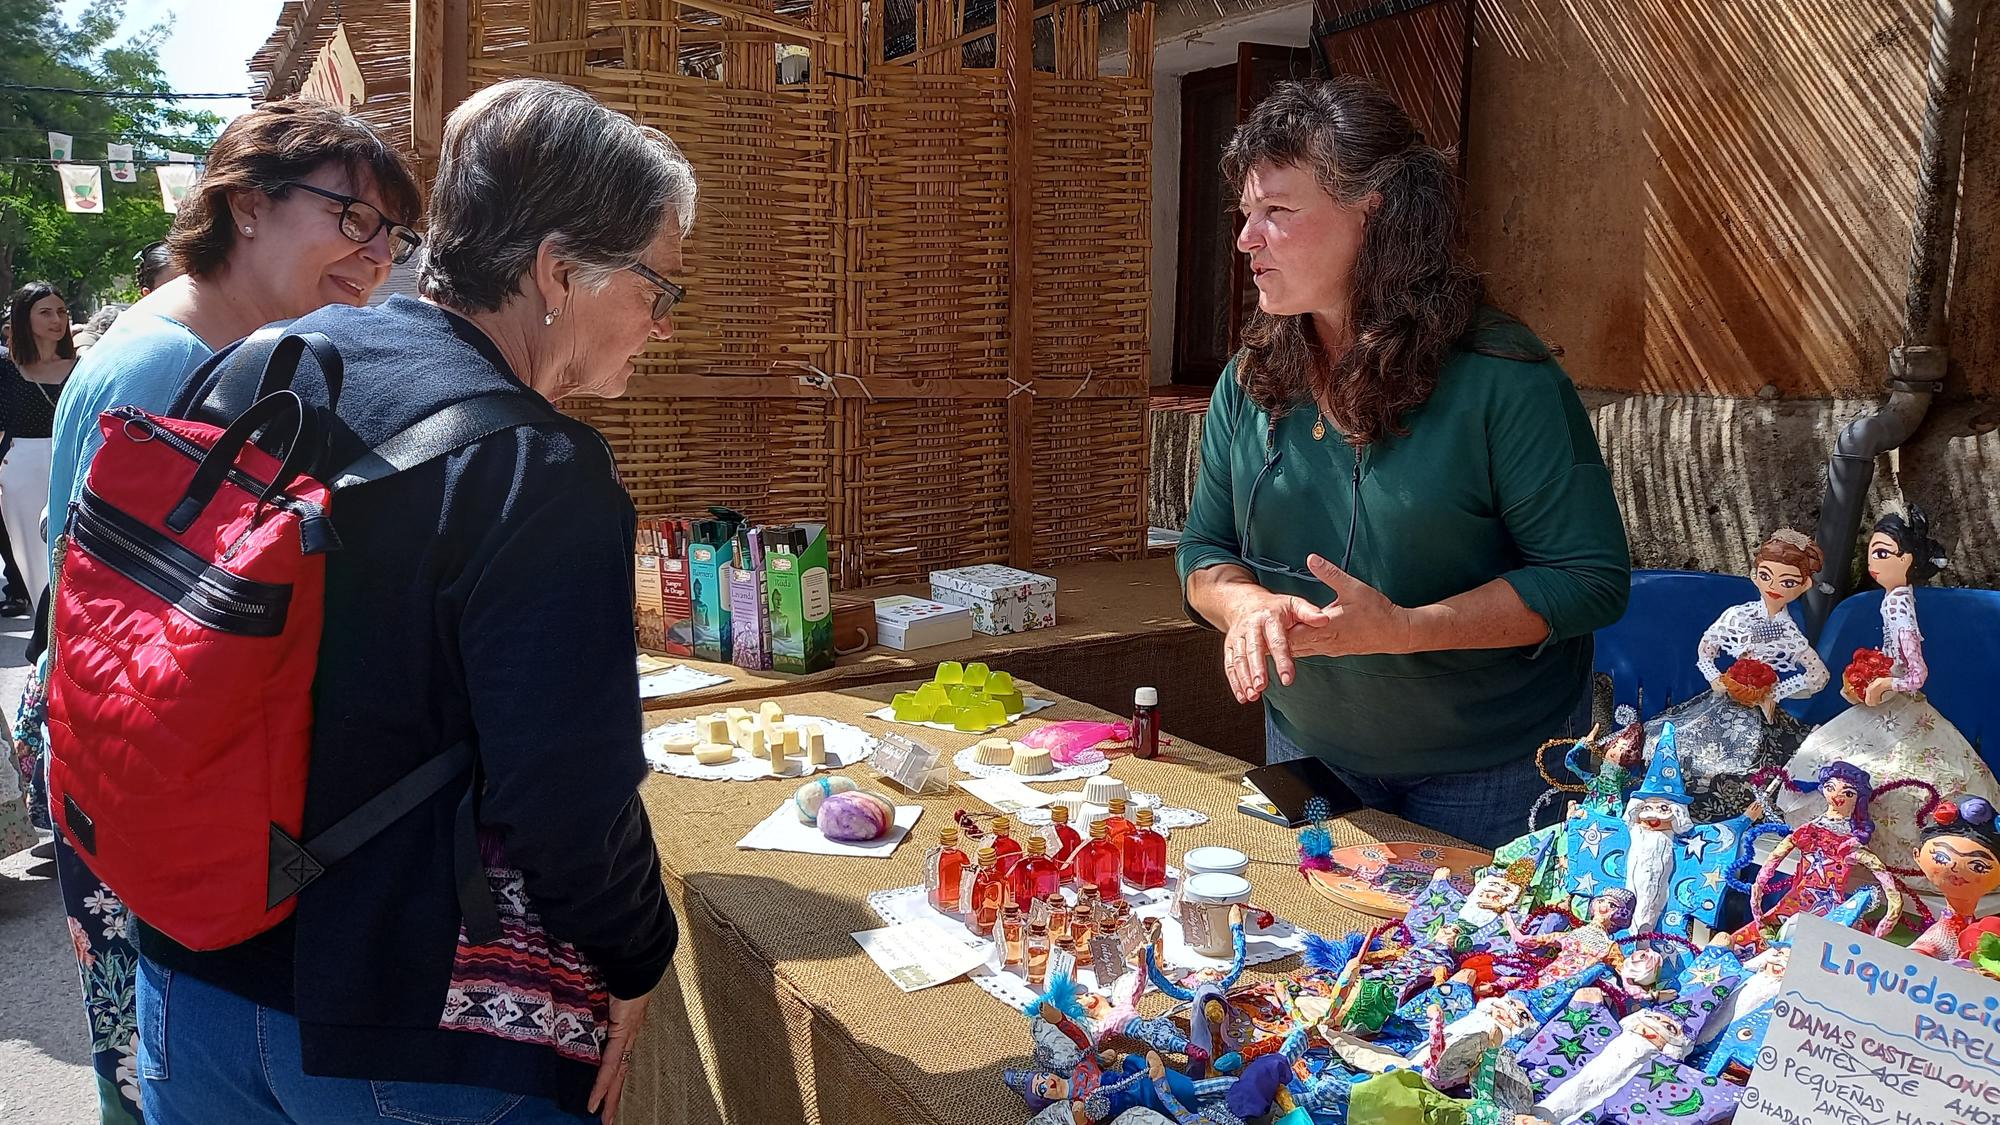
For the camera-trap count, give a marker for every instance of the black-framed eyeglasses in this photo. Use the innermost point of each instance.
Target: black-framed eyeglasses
(669, 295)
(1272, 455)
(361, 221)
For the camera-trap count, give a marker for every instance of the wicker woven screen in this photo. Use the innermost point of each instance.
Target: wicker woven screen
(853, 230)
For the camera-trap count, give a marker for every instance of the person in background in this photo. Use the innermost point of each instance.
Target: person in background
(484, 596)
(31, 383)
(99, 323)
(14, 594)
(154, 266)
(301, 206)
(1402, 523)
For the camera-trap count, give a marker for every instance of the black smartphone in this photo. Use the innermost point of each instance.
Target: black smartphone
(1289, 785)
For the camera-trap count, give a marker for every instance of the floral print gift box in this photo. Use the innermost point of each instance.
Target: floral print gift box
(1002, 599)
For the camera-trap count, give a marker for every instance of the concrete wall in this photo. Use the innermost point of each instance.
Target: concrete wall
(1694, 196)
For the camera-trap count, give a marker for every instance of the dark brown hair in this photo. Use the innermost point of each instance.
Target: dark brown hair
(1414, 291)
(270, 145)
(1791, 548)
(21, 331)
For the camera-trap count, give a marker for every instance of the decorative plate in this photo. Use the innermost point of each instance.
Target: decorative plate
(1383, 880)
(845, 745)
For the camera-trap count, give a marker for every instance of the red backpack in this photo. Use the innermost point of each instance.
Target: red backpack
(185, 634)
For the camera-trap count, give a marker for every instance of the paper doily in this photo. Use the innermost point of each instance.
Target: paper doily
(1166, 817)
(968, 761)
(845, 745)
(1011, 987)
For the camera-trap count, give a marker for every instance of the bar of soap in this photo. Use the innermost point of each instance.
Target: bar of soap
(815, 742)
(771, 711)
(715, 729)
(714, 754)
(790, 740)
(680, 744)
(755, 742)
(738, 714)
(739, 732)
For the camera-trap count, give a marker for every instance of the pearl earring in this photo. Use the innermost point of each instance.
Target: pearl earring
(549, 320)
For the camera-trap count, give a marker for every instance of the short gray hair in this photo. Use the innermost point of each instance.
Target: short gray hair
(529, 160)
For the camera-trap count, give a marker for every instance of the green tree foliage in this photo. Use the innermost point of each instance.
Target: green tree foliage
(89, 256)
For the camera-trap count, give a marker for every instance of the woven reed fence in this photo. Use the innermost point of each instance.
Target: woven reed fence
(855, 222)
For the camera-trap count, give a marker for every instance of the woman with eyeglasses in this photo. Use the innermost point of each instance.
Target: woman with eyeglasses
(300, 206)
(483, 596)
(1403, 525)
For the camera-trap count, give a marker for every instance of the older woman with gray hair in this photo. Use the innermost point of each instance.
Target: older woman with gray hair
(484, 596)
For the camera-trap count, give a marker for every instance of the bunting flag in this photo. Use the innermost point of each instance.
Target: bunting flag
(182, 157)
(83, 187)
(62, 146)
(176, 180)
(122, 168)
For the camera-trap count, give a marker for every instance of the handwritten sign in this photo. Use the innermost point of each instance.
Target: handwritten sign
(1868, 1033)
(335, 77)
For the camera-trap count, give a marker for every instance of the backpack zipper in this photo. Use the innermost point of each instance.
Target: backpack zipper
(131, 415)
(219, 600)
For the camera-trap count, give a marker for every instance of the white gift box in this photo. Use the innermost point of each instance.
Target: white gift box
(903, 622)
(1002, 599)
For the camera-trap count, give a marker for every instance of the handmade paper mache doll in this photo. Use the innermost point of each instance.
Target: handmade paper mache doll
(1676, 869)
(1588, 1065)
(1960, 855)
(1891, 730)
(1829, 847)
(1736, 728)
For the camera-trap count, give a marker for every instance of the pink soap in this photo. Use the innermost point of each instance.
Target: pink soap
(855, 817)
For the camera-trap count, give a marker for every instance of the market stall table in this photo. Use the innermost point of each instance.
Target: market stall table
(1119, 625)
(772, 1013)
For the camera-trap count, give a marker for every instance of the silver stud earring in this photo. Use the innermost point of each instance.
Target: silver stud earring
(550, 319)
(247, 230)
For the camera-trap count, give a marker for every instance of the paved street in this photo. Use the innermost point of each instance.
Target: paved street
(44, 1054)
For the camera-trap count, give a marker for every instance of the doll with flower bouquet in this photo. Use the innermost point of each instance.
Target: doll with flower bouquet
(1735, 729)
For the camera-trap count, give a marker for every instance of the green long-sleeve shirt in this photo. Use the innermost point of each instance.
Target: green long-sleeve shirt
(1499, 477)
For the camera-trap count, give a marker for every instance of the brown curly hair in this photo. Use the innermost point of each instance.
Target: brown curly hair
(1795, 549)
(1415, 291)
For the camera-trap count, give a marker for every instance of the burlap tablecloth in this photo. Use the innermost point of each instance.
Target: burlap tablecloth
(773, 1014)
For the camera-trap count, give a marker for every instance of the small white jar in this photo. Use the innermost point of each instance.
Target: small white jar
(1204, 909)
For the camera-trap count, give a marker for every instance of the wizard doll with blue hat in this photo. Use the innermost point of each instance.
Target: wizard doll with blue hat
(1676, 870)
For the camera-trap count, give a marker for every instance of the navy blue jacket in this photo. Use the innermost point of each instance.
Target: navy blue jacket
(486, 594)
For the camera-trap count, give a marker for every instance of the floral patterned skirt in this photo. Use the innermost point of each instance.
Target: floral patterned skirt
(1722, 743)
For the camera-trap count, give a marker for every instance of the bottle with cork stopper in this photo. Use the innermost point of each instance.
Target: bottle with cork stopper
(987, 896)
(944, 871)
(1146, 723)
(1099, 864)
(1010, 932)
(1106, 960)
(1145, 854)
(1037, 954)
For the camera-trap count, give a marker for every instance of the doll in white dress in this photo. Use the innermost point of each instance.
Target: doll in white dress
(1735, 728)
(1891, 730)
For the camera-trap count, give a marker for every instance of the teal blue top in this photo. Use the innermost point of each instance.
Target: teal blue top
(1499, 477)
(142, 361)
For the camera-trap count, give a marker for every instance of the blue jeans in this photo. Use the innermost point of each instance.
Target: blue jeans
(1485, 807)
(208, 1056)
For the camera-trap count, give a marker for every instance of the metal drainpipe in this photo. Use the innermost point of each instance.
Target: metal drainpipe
(1917, 365)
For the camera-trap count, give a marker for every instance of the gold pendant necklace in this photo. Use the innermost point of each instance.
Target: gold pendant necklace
(1319, 427)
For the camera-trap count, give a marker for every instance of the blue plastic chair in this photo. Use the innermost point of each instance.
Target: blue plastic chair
(1961, 645)
(1651, 650)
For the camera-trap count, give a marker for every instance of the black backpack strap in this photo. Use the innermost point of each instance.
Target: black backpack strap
(452, 428)
(294, 864)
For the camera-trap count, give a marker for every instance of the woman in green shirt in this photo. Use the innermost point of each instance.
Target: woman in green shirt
(1403, 524)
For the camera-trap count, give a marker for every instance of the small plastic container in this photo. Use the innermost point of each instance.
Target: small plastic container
(1204, 912)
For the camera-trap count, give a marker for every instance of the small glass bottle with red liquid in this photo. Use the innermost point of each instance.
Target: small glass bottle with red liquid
(1117, 828)
(944, 871)
(1036, 876)
(1145, 854)
(988, 894)
(1146, 723)
(1067, 840)
(1099, 864)
(1006, 849)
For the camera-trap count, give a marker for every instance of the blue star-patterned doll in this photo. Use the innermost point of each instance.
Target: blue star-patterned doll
(1678, 870)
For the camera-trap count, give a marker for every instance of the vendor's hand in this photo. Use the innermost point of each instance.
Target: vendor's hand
(1361, 620)
(627, 1017)
(1258, 633)
(1878, 690)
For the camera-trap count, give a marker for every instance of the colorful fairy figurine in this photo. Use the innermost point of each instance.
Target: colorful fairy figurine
(1622, 761)
(1074, 1079)
(1960, 855)
(1736, 729)
(1892, 730)
(1587, 945)
(1829, 847)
